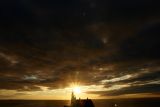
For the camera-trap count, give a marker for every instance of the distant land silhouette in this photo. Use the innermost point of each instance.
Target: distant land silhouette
(80, 102)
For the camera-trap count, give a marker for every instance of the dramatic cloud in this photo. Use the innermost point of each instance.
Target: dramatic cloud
(110, 45)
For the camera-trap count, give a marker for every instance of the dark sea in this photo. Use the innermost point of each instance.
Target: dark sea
(149, 102)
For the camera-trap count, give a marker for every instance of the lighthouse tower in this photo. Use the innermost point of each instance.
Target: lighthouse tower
(80, 102)
(73, 99)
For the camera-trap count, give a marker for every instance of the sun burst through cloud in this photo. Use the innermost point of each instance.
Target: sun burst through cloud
(95, 49)
(77, 90)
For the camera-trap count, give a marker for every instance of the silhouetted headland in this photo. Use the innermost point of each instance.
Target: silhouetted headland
(80, 102)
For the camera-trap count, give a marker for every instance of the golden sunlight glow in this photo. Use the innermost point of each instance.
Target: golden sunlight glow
(77, 90)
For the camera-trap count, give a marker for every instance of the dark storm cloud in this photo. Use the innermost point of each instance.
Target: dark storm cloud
(145, 44)
(137, 89)
(144, 78)
(134, 79)
(53, 43)
(152, 88)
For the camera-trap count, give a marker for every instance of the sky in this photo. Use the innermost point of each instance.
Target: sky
(107, 48)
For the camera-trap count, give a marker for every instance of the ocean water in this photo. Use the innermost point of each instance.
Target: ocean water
(152, 102)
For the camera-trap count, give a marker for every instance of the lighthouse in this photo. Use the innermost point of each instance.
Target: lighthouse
(80, 102)
(73, 99)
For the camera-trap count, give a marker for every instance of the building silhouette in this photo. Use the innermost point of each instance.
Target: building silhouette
(80, 102)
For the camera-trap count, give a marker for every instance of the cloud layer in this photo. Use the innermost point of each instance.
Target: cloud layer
(53, 43)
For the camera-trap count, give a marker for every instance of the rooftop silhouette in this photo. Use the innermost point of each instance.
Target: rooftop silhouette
(80, 102)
